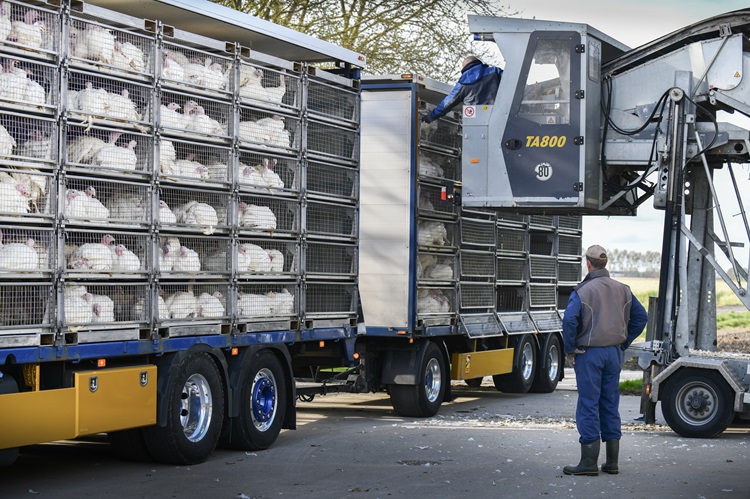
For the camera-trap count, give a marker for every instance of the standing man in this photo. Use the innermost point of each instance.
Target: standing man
(601, 320)
(478, 85)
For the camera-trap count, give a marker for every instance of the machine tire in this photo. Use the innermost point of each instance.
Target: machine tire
(697, 403)
(474, 382)
(195, 413)
(263, 403)
(8, 456)
(548, 369)
(129, 445)
(524, 368)
(423, 399)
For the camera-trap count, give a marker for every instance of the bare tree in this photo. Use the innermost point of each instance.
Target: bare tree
(429, 37)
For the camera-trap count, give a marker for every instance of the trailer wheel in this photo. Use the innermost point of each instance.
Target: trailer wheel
(263, 399)
(195, 412)
(129, 445)
(423, 399)
(8, 385)
(524, 368)
(697, 404)
(548, 371)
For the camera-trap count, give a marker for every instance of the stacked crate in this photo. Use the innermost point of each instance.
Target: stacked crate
(513, 273)
(542, 288)
(569, 256)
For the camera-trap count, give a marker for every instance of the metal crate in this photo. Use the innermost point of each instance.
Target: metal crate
(331, 221)
(193, 256)
(542, 221)
(203, 118)
(436, 201)
(112, 152)
(259, 129)
(542, 296)
(201, 211)
(512, 219)
(478, 229)
(329, 180)
(86, 200)
(188, 302)
(475, 296)
(26, 250)
(477, 264)
(569, 245)
(436, 267)
(269, 87)
(102, 304)
(27, 195)
(36, 87)
(97, 253)
(512, 241)
(330, 260)
(111, 101)
(110, 42)
(510, 298)
(569, 272)
(542, 267)
(547, 321)
(330, 142)
(511, 270)
(517, 322)
(436, 301)
(268, 172)
(195, 163)
(268, 215)
(438, 165)
(542, 243)
(441, 134)
(267, 300)
(328, 100)
(570, 223)
(196, 63)
(25, 305)
(282, 258)
(329, 300)
(563, 297)
(436, 235)
(28, 140)
(41, 39)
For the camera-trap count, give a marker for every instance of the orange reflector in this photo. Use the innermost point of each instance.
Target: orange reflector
(101, 363)
(443, 194)
(648, 389)
(361, 58)
(322, 344)
(407, 76)
(474, 160)
(235, 351)
(411, 340)
(356, 356)
(400, 332)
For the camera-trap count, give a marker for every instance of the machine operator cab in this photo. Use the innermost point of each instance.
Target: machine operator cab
(538, 146)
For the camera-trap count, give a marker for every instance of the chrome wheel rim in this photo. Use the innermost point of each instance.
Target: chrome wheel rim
(432, 380)
(196, 407)
(264, 399)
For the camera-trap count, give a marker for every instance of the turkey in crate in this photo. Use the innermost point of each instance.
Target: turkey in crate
(93, 304)
(267, 257)
(29, 28)
(268, 215)
(261, 129)
(26, 194)
(194, 255)
(206, 117)
(268, 87)
(191, 162)
(27, 140)
(29, 84)
(180, 302)
(108, 150)
(266, 301)
(267, 173)
(94, 97)
(113, 202)
(204, 71)
(26, 250)
(203, 211)
(97, 253)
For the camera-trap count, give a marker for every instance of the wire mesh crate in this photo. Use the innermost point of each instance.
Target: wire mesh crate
(198, 63)
(260, 129)
(477, 264)
(29, 85)
(436, 301)
(436, 235)
(267, 300)
(541, 243)
(330, 260)
(93, 98)
(329, 180)
(438, 165)
(570, 223)
(542, 221)
(268, 215)
(33, 30)
(99, 304)
(272, 258)
(542, 267)
(110, 42)
(26, 195)
(569, 245)
(269, 87)
(97, 253)
(183, 302)
(516, 322)
(336, 102)
(436, 201)
(109, 202)
(478, 229)
(331, 221)
(433, 267)
(193, 256)
(511, 270)
(569, 272)
(476, 296)
(112, 152)
(28, 140)
(441, 134)
(329, 300)
(194, 210)
(512, 219)
(563, 296)
(547, 321)
(510, 298)
(195, 163)
(332, 142)
(206, 119)
(26, 249)
(25, 305)
(512, 241)
(268, 172)
(542, 296)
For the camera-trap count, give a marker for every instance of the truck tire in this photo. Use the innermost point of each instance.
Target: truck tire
(697, 403)
(263, 402)
(129, 445)
(195, 413)
(524, 368)
(548, 370)
(423, 399)
(8, 456)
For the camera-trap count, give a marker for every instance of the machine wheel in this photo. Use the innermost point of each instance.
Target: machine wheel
(474, 382)
(423, 399)
(195, 412)
(548, 371)
(263, 402)
(524, 368)
(129, 445)
(8, 385)
(697, 403)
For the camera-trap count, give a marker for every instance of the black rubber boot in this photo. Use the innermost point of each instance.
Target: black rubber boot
(613, 453)
(589, 465)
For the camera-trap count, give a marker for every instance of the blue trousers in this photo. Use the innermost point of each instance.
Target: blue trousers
(598, 379)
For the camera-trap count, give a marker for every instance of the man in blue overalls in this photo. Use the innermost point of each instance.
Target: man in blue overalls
(601, 320)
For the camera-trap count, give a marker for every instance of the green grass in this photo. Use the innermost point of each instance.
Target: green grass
(631, 387)
(731, 320)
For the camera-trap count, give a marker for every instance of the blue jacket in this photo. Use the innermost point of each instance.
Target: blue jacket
(478, 85)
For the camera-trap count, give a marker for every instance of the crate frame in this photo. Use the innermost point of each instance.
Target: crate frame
(332, 89)
(42, 236)
(292, 125)
(288, 168)
(442, 258)
(340, 260)
(344, 190)
(106, 193)
(113, 326)
(213, 108)
(318, 290)
(17, 121)
(265, 287)
(178, 196)
(291, 102)
(319, 142)
(292, 267)
(477, 264)
(143, 250)
(49, 199)
(144, 150)
(287, 213)
(48, 12)
(314, 221)
(49, 82)
(47, 319)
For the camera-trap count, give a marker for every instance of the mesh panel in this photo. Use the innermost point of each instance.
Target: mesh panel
(267, 257)
(25, 139)
(267, 301)
(477, 296)
(332, 101)
(204, 211)
(24, 305)
(511, 240)
(264, 129)
(190, 302)
(332, 142)
(511, 270)
(436, 235)
(108, 150)
(200, 70)
(269, 87)
(196, 163)
(268, 215)
(569, 245)
(512, 218)
(30, 84)
(436, 267)
(441, 134)
(541, 243)
(517, 322)
(478, 232)
(436, 301)
(26, 195)
(330, 220)
(94, 97)
(542, 296)
(569, 271)
(26, 250)
(547, 322)
(544, 221)
(89, 200)
(102, 304)
(478, 264)
(268, 172)
(207, 118)
(332, 180)
(542, 267)
(330, 299)
(106, 253)
(510, 298)
(193, 255)
(330, 260)
(38, 32)
(570, 222)
(434, 164)
(436, 200)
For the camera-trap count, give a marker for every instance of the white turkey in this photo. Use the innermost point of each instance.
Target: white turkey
(14, 197)
(128, 56)
(166, 216)
(28, 32)
(250, 81)
(34, 93)
(423, 262)
(282, 303)
(186, 260)
(93, 256)
(431, 234)
(252, 131)
(190, 168)
(277, 260)
(5, 25)
(12, 81)
(274, 128)
(196, 213)
(36, 146)
(217, 170)
(182, 305)
(432, 302)
(205, 74)
(84, 149)
(114, 156)
(96, 44)
(7, 143)
(93, 101)
(256, 217)
(439, 271)
(276, 94)
(124, 260)
(76, 204)
(167, 158)
(170, 68)
(270, 177)
(200, 122)
(251, 175)
(102, 308)
(19, 256)
(217, 261)
(209, 305)
(78, 307)
(170, 116)
(425, 203)
(95, 208)
(257, 259)
(428, 167)
(120, 106)
(169, 251)
(253, 305)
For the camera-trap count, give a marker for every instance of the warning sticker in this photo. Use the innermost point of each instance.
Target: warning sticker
(469, 111)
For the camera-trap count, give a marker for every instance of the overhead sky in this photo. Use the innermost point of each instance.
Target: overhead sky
(634, 23)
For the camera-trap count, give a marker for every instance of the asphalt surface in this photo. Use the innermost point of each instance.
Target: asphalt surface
(483, 444)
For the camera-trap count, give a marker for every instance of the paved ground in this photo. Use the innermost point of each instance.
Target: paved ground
(483, 444)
